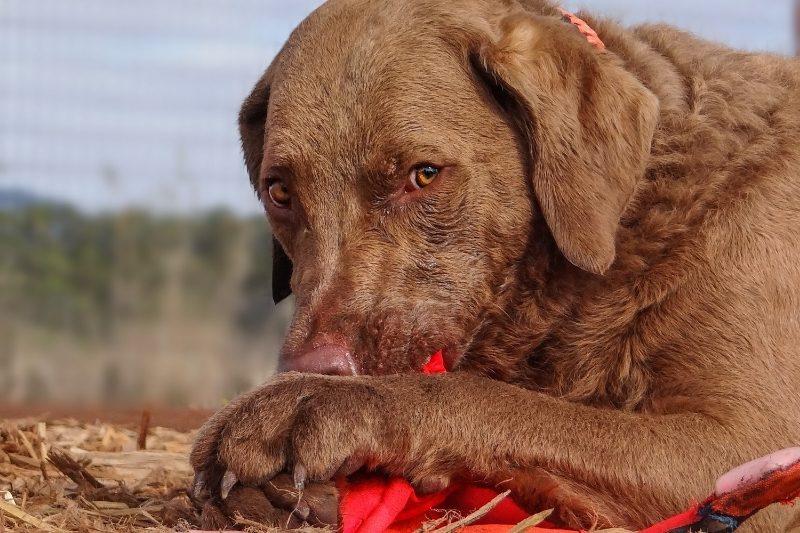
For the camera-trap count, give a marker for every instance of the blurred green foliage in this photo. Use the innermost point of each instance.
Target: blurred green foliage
(66, 271)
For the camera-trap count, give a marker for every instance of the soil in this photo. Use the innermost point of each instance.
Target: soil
(180, 419)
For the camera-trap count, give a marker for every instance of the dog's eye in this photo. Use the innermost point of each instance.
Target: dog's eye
(422, 176)
(279, 193)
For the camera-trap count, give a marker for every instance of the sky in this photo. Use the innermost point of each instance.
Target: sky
(113, 104)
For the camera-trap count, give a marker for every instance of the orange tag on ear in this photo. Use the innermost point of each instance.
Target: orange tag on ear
(435, 364)
(584, 28)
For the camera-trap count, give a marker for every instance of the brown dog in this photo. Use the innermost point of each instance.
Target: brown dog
(606, 244)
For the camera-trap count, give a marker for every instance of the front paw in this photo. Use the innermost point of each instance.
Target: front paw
(315, 427)
(310, 425)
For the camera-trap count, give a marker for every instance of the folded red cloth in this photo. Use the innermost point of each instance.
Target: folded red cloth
(375, 504)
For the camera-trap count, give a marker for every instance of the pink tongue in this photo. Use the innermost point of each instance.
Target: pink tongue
(755, 470)
(435, 364)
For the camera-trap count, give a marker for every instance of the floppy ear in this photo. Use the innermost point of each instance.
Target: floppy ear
(252, 129)
(588, 122)
(281, 273)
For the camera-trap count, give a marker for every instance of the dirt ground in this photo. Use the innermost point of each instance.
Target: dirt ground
(180, 419)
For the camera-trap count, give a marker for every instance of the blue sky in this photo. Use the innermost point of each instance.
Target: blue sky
(110, 104)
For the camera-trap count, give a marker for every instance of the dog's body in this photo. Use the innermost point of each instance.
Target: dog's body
(611, 260)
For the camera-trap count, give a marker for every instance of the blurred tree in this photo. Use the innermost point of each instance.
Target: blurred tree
(37, 391)
(66, 270)
(130, 294)
(257, 303)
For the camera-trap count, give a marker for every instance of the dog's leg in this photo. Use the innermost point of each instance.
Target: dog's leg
(613, 467)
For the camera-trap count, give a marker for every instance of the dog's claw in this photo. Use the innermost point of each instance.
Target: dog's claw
(198, 485)
(299, 476)
(229, 480)
(302, 510)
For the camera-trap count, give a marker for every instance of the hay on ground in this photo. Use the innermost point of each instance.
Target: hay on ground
(70, 476)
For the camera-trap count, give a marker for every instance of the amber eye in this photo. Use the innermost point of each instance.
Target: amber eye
(279, 193)
(423, 176)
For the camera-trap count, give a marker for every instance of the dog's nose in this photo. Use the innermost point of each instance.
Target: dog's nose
(330, 359)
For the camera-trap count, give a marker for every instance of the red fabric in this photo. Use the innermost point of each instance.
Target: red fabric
(435, 365)
(373, 504)
(779, 486)
(682, 520)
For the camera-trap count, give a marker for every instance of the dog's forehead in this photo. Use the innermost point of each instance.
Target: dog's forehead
(350, 83)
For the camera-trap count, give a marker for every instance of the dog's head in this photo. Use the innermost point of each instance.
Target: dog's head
(404, 151)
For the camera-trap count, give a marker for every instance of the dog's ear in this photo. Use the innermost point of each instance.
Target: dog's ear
(252, 129)
(588, 122)
(281, 273)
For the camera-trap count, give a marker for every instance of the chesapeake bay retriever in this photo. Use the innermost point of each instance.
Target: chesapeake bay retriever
(605, 244)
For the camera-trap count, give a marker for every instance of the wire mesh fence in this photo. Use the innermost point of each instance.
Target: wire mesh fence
(134, 261)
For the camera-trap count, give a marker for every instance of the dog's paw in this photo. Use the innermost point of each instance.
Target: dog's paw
(311, 425)
(314, 428)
